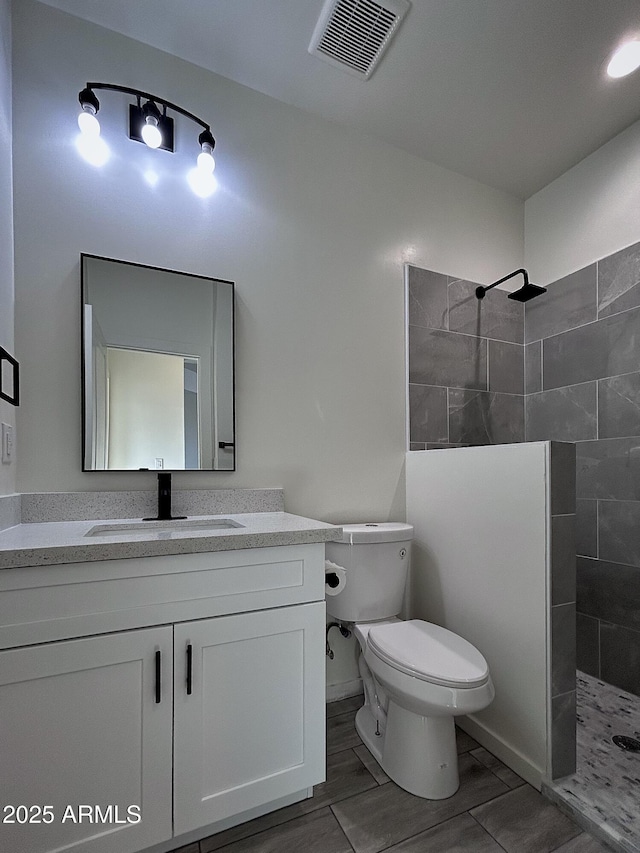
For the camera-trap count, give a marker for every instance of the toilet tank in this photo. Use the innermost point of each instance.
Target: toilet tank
(376, 560)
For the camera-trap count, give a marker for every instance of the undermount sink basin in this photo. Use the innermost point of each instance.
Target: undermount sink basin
(152, 527)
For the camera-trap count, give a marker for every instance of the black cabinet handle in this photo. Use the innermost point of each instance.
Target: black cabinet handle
(189, 669)
(223, 444)
(158, 677)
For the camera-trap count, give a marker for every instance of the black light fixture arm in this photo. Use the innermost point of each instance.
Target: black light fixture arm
(480, 291)
(138, 93)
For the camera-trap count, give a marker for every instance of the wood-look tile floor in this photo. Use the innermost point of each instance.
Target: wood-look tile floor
(360, 810)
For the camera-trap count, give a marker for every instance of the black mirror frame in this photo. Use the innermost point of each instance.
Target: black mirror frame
(221, 444)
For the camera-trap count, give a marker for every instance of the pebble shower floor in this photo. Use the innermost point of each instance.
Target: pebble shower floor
(604, 793)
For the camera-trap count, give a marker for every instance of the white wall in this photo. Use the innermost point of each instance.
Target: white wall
(586, 214)
(312, 222)
(7, 411)
(479, 568)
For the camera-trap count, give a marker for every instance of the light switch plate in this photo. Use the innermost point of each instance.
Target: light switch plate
(7, 444)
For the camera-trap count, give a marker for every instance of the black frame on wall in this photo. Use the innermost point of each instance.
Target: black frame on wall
(14, 397)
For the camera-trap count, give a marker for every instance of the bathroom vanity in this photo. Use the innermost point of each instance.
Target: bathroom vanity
(158, 684)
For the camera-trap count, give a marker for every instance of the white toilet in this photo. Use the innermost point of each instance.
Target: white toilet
(416, 676)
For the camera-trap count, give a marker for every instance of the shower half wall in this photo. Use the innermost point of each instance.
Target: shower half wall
(569, 364)
(486, 564)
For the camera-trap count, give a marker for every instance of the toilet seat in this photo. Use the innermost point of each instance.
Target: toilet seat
(429, 653)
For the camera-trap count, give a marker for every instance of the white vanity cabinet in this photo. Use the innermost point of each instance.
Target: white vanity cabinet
(123, 700)
(252, 729)
(80, 726)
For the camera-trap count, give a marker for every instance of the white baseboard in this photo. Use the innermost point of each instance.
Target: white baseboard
(519, 763)
(344, 690)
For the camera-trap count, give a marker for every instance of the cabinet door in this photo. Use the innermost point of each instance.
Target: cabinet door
(252, 729)
(80, 727)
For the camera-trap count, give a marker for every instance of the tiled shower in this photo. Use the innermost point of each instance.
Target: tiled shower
(583, 337)
(563, 367)
(466, 364)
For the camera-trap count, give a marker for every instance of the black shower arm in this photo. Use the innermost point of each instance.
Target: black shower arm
(480, 291)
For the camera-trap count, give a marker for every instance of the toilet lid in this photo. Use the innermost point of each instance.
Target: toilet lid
(429, 652)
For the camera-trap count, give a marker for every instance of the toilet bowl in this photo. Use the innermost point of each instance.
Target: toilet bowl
(425, 676)
(417, 676)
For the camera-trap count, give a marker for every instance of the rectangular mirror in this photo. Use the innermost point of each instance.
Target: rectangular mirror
(157, 369)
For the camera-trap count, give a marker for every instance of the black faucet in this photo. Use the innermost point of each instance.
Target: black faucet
(164, 499)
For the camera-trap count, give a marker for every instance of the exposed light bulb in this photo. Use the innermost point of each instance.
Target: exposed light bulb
(203, 183)
(151, 132)
(88, 122)
(625, 60)
(206, 163)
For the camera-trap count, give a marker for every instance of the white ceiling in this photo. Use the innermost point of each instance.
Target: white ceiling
(510, 92)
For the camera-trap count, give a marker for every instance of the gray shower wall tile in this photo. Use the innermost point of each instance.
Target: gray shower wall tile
(562, 414)
(563, 478)
(619, 281)
(619, 406)
(443, 446)
(619, 532)
(533, 367)
(609, 592)
(588, 644)
(607, 347)
(479, 417)
(427, 298)
(563, 649)
(587, 528)
(563, 559)
(506, 367)
(585, 334)
(620, 657)
(427, 414)
(568, 303)
(447, 359)
(563, 735)
(608, 469)
(496, 316)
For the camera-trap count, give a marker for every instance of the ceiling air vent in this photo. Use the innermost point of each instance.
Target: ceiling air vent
(354, 34)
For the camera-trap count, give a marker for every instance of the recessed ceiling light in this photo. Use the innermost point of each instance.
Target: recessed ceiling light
(625, 60)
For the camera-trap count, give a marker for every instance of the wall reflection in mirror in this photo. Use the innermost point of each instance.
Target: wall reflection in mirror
(158, 369)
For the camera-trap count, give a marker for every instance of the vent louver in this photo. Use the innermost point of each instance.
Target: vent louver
(354, 34)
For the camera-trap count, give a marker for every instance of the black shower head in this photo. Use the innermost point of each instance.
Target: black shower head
(527, 291)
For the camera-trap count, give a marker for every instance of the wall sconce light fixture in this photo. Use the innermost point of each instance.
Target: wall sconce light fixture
(149, 124)
(527, 291)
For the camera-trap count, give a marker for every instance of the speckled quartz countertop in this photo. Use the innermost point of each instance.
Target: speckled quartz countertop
(50, 543)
